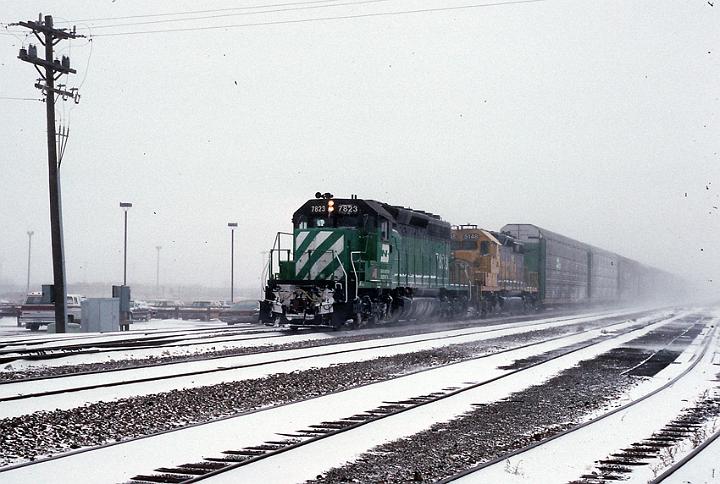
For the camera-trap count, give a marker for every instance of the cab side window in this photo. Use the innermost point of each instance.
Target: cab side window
(384, 229)
(484, 247)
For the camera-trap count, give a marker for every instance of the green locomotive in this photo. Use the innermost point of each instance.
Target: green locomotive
(353, 260)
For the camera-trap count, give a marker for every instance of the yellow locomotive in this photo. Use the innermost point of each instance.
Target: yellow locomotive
(492, 265)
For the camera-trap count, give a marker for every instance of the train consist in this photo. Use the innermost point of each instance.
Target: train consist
(355, 261)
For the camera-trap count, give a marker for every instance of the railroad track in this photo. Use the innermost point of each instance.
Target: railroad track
(618, 465)
(703, 450)
(11, 394)
(54, 338)
(168, 337)
(176, 340)
(234, 459)
(380, 412)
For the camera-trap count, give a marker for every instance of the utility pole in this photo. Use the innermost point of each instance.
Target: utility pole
(53, 70)
(30, 234)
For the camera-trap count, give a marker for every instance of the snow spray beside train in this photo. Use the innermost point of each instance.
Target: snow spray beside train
(354, 260)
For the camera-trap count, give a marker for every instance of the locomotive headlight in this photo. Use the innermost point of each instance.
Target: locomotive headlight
(331, 206)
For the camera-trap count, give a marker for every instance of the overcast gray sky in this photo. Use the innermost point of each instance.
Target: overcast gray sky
(598, 120)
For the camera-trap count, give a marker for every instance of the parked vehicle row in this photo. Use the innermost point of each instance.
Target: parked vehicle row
(38, 310)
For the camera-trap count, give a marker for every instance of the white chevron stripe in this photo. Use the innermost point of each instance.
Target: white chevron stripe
(314, 244)
(327, 258)
(300, 238)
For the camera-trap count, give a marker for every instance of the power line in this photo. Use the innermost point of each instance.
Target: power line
(191, 12)
(318, 19)
(20, 98)
(277, 10)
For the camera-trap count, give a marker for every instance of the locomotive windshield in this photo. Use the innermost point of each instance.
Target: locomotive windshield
(334, 221)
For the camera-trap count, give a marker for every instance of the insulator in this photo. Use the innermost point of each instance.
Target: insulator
(32, 51)
(65, 62)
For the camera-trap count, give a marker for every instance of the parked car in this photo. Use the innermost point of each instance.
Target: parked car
(241, 312)
(164, 308)
(39, 311)
(8, 309)
(202, 310)
(139, 311)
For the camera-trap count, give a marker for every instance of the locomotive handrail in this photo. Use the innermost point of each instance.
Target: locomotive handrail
(345, 273)
(352, 263)
(276, 248)
(265, 275)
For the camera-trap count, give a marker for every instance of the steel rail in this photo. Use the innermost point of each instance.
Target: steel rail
(697, 450)
(250, 412)
(503, 457)
(425, 400)
(37, 354)
(249, 365)
(209, 357)
(140, 332)
(187, 358)
(169, 336)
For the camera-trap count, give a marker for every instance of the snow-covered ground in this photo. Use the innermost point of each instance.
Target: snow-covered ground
(702, 469)
(121, 462)
(567, 458)
(170, 337)
(195, 374)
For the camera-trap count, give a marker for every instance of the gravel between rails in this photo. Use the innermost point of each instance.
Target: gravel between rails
(525, 417)
(43, 434)
(8, 374)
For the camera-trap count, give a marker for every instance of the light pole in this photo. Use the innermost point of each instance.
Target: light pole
(232, 226)
(125, 206)
(157, 272)
(30, 234)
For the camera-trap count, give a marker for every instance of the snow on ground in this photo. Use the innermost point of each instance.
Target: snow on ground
(702, 469)
(176, 345)
(252, 366)
(121, 462)
(198, 345)
(567, 458)
(185, 346)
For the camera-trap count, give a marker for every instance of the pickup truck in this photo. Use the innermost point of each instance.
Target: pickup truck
(37, 311)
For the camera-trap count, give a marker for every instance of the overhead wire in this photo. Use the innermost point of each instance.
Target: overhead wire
(259, 12)
(192, 12)
(20, 98)
(320, 19)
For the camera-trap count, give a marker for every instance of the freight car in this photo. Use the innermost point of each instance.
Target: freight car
(572, 272)
(354, 260)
